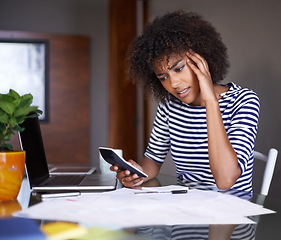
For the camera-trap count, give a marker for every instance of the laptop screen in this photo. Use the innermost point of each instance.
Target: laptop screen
(32, 143)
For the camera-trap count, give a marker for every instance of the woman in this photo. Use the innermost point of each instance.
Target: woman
(210, 128)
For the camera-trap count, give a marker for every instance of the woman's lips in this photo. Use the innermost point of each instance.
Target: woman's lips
(184, 92)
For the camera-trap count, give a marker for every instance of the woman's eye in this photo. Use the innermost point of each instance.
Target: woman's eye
(179, 69)
(162, 79)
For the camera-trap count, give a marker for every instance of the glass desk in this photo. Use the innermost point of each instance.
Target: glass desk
(268, 226)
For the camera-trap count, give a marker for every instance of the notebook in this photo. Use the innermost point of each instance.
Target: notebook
(37, 169)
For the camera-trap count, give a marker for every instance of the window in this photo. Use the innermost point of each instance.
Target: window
(24, 68)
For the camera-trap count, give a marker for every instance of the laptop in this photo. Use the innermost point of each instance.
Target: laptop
(37, 169)
(70, 169)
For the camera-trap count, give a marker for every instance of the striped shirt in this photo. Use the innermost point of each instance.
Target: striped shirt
(193, 232)
(182, 129)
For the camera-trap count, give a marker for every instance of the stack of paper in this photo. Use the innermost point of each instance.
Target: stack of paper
(123, 208)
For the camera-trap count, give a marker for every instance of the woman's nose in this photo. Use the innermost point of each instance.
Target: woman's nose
(175, 82)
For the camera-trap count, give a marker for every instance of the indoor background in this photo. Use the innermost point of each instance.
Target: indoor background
(250, 29)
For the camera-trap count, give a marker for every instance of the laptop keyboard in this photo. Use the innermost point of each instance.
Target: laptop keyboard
(69, 180)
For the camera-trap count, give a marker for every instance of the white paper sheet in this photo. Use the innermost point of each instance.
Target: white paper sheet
(123, 208)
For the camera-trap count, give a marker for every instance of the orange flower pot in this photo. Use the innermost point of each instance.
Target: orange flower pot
(11, 174)
(7, 208)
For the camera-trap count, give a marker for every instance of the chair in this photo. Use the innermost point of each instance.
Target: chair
(270, 160)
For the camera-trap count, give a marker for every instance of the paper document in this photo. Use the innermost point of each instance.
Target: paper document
(123, 208)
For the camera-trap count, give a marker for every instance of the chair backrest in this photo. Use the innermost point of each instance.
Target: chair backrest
(270, 160)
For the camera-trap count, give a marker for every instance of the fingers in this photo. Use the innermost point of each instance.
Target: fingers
(114, 168)
(197, 63)
(125, 177)
(129, 180)
(201, 69)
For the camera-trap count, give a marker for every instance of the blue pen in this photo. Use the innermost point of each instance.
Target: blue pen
(172, 192)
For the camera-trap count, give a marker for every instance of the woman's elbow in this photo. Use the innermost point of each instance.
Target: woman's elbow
(225, 184)
(227, 181)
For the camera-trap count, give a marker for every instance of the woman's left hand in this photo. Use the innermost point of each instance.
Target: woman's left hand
(201, 69)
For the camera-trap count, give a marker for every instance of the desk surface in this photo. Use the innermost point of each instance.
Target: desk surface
(268, 226)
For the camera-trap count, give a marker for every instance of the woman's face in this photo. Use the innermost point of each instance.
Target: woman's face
(178, 79)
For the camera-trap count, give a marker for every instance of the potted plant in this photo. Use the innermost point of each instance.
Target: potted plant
(14, 110)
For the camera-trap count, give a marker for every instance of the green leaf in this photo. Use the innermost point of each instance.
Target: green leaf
(8, 146)
(23, 111)
(20, 119)
(13, 121)
(7, 105)
(38, 112)
(26, 100)
(13, 94)
(18, 128)
(2, 128)
(35, 114)
(14, 110)
(17, 102)
(4, 118)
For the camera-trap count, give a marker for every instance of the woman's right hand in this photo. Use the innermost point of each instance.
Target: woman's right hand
(126, 178)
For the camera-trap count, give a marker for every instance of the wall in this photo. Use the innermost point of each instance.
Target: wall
(250, 30)
(66, 133)
(85, 17)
